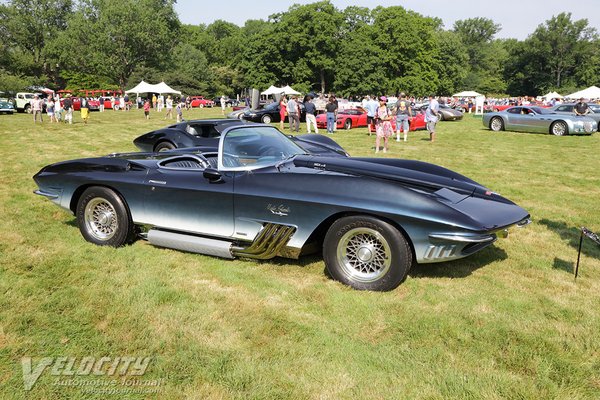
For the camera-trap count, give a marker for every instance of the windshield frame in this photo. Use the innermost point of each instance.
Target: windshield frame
(289, 148)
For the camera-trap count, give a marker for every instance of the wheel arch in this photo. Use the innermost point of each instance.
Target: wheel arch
(161, 141)
(79, 192)
(318, 235)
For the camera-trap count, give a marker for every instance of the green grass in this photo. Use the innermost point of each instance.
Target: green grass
(508, 322)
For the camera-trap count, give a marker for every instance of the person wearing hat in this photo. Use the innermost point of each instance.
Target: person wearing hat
(383, 125)
(581, 108)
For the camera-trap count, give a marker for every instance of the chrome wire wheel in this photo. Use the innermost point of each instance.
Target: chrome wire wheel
(559, 128)
(101, 219)
(364, 254)
(496, 124)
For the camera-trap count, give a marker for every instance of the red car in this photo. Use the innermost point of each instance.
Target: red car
(416, 123)
(346, 119)
(200, 101)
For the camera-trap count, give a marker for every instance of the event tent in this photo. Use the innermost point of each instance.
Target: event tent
(467, 93)
(145, 87)
(593, 92)
(279, 90)
(552, 95)
(271, 90)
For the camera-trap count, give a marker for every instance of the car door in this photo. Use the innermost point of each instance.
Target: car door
(179, 197)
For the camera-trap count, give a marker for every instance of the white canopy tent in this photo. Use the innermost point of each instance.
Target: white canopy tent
(551, 95)
(288, 90)
(145, 87)
(272, 90)
(279, 90)
(467, 93)
(593, 92)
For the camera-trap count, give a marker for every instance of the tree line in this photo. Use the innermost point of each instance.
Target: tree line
(316, 47)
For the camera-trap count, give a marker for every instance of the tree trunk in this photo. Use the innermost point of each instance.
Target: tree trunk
(322, 80)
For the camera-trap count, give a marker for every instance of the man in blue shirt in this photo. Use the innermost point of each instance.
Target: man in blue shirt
(371, 107)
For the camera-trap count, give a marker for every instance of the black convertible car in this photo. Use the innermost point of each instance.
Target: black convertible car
(261, 195)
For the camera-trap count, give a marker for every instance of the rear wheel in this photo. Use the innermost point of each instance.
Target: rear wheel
(266, 119)
(348, 124)
(27, 109)
(103, 217)
(201, 105)
(497, 124)
(559, 128)
(366, 253)
(164, 146)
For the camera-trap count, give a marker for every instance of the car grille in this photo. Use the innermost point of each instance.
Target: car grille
(588, 127)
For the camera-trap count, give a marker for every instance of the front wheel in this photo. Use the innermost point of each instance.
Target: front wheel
(103, 217)
(559, 128)
(366, 253)
(497, 124)
(348, 124)
(266, 119)
(201, 105)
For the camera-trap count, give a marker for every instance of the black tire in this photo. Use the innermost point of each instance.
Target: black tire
(164, 146)
(366, 253)
(103, 217)
(27, 109)
(559, 128)
(497, 124)
(348, 124)
(266, 119)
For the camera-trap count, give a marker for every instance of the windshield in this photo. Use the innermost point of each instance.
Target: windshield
(252, 147)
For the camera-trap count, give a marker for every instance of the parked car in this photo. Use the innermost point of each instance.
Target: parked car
(357, 117)
(228, 102)
(6, 107)
(446, 112)
(568, 108)
(269, 113)
(206, 133)
(260, 196)
(200, 101)
(23, 102)
(537, 119)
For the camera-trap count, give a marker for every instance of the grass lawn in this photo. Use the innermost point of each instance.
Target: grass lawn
(508, 322)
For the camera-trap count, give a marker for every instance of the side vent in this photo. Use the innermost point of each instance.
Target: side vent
(267, 244)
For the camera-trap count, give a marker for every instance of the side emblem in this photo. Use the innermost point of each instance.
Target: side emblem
(280, 210)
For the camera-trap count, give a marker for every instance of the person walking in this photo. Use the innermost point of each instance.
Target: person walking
(383, 126)
(293, 110)
(147, 109)
(37, 105)
(169, 107)
(50, 109)
(160, 103)
(330, 108)
(179, 110)
(310, 109)
(68, 106)
(282, 111)
(432, 116)
(85, 109)
(403, 116)
(154, 100)
(223, 104)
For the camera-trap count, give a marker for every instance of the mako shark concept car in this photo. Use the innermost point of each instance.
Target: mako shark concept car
(261, 195)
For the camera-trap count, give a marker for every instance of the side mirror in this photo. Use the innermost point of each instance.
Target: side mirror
(212, 175)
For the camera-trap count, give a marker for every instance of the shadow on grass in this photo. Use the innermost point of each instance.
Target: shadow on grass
(459, 268)
(572, 235)
(567, 266)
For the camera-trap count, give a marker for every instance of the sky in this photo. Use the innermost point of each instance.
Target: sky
(518, 18)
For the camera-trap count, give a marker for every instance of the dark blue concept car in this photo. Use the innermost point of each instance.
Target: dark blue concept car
(259, 194)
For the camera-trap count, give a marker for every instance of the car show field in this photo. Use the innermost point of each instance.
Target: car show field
(508, 322)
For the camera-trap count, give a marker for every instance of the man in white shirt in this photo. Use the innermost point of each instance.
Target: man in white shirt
(431, 116)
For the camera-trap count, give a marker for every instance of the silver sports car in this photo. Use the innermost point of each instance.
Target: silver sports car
(568, 108)
(538, 119)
